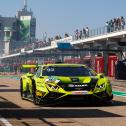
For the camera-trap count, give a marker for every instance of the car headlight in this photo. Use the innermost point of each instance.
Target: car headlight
(100, 86)
(54, 87)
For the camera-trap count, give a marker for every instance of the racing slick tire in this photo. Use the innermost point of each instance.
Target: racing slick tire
(21, 89)
(109, 99)
(35, 98)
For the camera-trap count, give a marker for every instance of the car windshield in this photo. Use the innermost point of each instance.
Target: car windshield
(67, 71)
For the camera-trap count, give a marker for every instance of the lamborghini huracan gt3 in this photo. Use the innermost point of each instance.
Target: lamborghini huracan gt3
(63, 82)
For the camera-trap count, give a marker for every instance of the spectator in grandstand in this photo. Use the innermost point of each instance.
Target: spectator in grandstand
(87, 32)
(76, 34)
(115, 24)
(107, 26)
(119, 23)
(57, 37)
(84, 32)
(60, 37)
(122, 22)
(80, 35)
(49, 40)
(33, 46)
(111, 25)
(66, 35)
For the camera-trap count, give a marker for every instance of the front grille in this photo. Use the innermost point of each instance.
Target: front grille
(79, 86)
(75, 87)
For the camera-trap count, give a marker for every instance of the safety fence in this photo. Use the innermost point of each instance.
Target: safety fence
(96, 32)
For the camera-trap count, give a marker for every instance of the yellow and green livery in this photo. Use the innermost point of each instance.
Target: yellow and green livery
(64, 82)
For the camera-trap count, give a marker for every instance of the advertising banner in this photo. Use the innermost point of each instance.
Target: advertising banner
(25, 22)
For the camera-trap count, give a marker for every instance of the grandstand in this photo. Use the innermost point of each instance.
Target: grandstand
(103, 52)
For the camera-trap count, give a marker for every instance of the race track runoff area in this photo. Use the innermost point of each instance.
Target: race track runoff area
(17, 112)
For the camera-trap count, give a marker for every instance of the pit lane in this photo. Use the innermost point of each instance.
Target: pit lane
(18, 112)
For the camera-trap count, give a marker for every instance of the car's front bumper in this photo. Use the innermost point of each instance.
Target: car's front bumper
(77, 96)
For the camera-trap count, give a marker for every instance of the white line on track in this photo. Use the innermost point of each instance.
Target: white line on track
(5, 122)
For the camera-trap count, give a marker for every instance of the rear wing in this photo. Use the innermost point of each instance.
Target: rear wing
(29, 66)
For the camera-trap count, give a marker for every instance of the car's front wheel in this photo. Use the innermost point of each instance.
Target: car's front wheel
(21, 89)
(110, 98)
(35, 98)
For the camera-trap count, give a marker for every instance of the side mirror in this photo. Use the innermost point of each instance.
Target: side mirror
(101, 75)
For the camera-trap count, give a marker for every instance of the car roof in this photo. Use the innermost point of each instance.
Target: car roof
(62, 64)
(56, 65)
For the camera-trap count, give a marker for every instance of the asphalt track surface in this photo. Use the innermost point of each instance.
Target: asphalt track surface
(17, 112)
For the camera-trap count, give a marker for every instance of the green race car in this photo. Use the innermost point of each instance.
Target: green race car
(64, 82)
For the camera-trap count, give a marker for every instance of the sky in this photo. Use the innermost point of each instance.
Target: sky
(65, 16)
